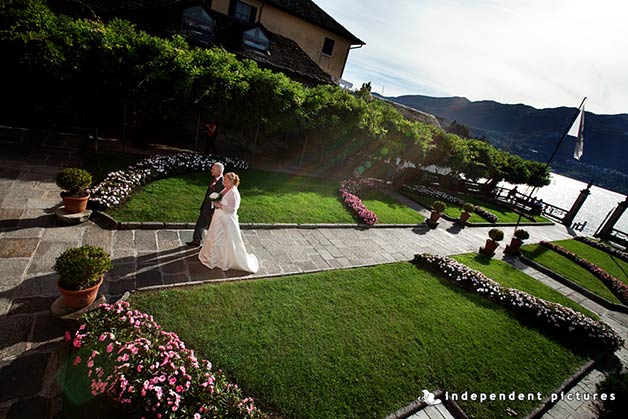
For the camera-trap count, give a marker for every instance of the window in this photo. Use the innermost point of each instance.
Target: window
(328, 46)
(244, 12)
(255, 38)
(196, 24)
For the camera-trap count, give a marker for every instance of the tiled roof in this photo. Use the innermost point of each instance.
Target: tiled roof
(308, 10)
(283, 54)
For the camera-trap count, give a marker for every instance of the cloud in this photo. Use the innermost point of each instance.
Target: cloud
(538, 52)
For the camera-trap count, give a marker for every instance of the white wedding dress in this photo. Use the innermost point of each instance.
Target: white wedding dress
(223, 246)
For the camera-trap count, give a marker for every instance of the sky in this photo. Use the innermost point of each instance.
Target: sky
(542, 53)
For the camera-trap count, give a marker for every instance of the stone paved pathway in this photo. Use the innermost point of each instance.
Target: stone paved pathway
(30, 241)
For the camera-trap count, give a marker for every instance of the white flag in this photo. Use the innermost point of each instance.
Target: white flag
(577, 130)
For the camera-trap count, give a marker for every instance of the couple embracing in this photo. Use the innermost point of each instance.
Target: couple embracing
(223, 246)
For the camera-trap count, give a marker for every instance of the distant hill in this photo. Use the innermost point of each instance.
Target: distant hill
(533, 134)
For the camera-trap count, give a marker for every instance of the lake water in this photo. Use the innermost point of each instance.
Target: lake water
(563, 191)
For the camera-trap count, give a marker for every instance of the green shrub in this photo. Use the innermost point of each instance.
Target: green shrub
(74, 181)
(439, 206)
(81, 267)
(522, 234)
(496, 234)
(615, 384)
(468, 207)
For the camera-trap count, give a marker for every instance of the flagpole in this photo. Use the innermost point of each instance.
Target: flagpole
(552, 157)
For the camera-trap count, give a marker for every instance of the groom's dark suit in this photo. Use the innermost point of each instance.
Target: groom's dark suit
(207, 211)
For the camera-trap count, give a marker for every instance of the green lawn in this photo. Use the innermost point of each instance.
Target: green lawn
(504, 215)
(511, 277)
(361, 343)
(568, 269)
(451, 210)
(613, 265)
(388, 209)
(266, 198)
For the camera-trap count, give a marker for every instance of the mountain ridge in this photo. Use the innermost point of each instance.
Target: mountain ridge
(533, 134)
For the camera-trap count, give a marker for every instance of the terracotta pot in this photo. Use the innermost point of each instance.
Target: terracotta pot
(464, 216)
(515, 243)
(75, 205)
(490, 245)
(81, 298)
(435, 216)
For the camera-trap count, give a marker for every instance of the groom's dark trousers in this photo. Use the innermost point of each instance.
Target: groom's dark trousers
(207, 211)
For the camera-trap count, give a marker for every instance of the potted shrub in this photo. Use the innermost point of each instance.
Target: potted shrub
(516, 242)
(437, 208)
(74, 183)
(467, 209)
(495, 235)
(81, 271)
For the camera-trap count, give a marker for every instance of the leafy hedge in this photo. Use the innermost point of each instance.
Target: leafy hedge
(604, 247)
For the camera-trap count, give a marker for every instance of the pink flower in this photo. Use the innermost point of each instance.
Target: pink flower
(77, 360)
(139, 368)
(109, 348)
(67, 336)
(90, 363)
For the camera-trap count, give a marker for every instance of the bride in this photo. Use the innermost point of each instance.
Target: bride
(223, 246)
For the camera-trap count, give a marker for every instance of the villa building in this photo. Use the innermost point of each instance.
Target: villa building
(292, 36)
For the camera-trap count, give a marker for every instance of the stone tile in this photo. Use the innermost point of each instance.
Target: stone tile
(148, 278)
(180, 278)
(14, 332)
(174, 267)
(145, 240)
(121, 271)
(47, 328)
(23, 376)
(43, 203)
(167, 235)
(44, 258)
(123, 239)
(24, 191)
(6, 298)
(14, 203)
(11, 271)
(28, 232)
(147, 260)
(17, 247)
(37, 286)
(120, 287)
(200, 272)
(9, 217)
(96, 236)
(64, 234)
(169, 244)
(31, 305)
(123, 255)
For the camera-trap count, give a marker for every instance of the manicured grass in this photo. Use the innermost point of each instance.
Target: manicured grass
(361, 343)
(568, 269)
(504, 215)
(266, 198)
(99, 164)
(511, 277)
(451, 210)
(388, 209)
(613, 265)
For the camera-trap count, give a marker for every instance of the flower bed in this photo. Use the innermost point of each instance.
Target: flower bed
(618, 288)
(118, 186)
(604, 247)
(139, 365)
(348, 189)
(558, 317)
(443, 196)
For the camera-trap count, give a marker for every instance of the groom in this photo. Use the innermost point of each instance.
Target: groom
(207, 207)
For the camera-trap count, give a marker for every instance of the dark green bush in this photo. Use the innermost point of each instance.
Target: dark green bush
(615, 385)
(74, 181)
(82, 267)
(439, 206)
(522, 234)
(496, 234)
(468, 207)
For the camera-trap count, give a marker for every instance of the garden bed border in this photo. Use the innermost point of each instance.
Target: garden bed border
(576, 287)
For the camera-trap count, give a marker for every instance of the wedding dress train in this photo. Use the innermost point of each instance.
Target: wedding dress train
(223, 246)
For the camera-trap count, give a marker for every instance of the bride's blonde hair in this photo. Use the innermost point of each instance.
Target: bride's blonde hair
(234, 178)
